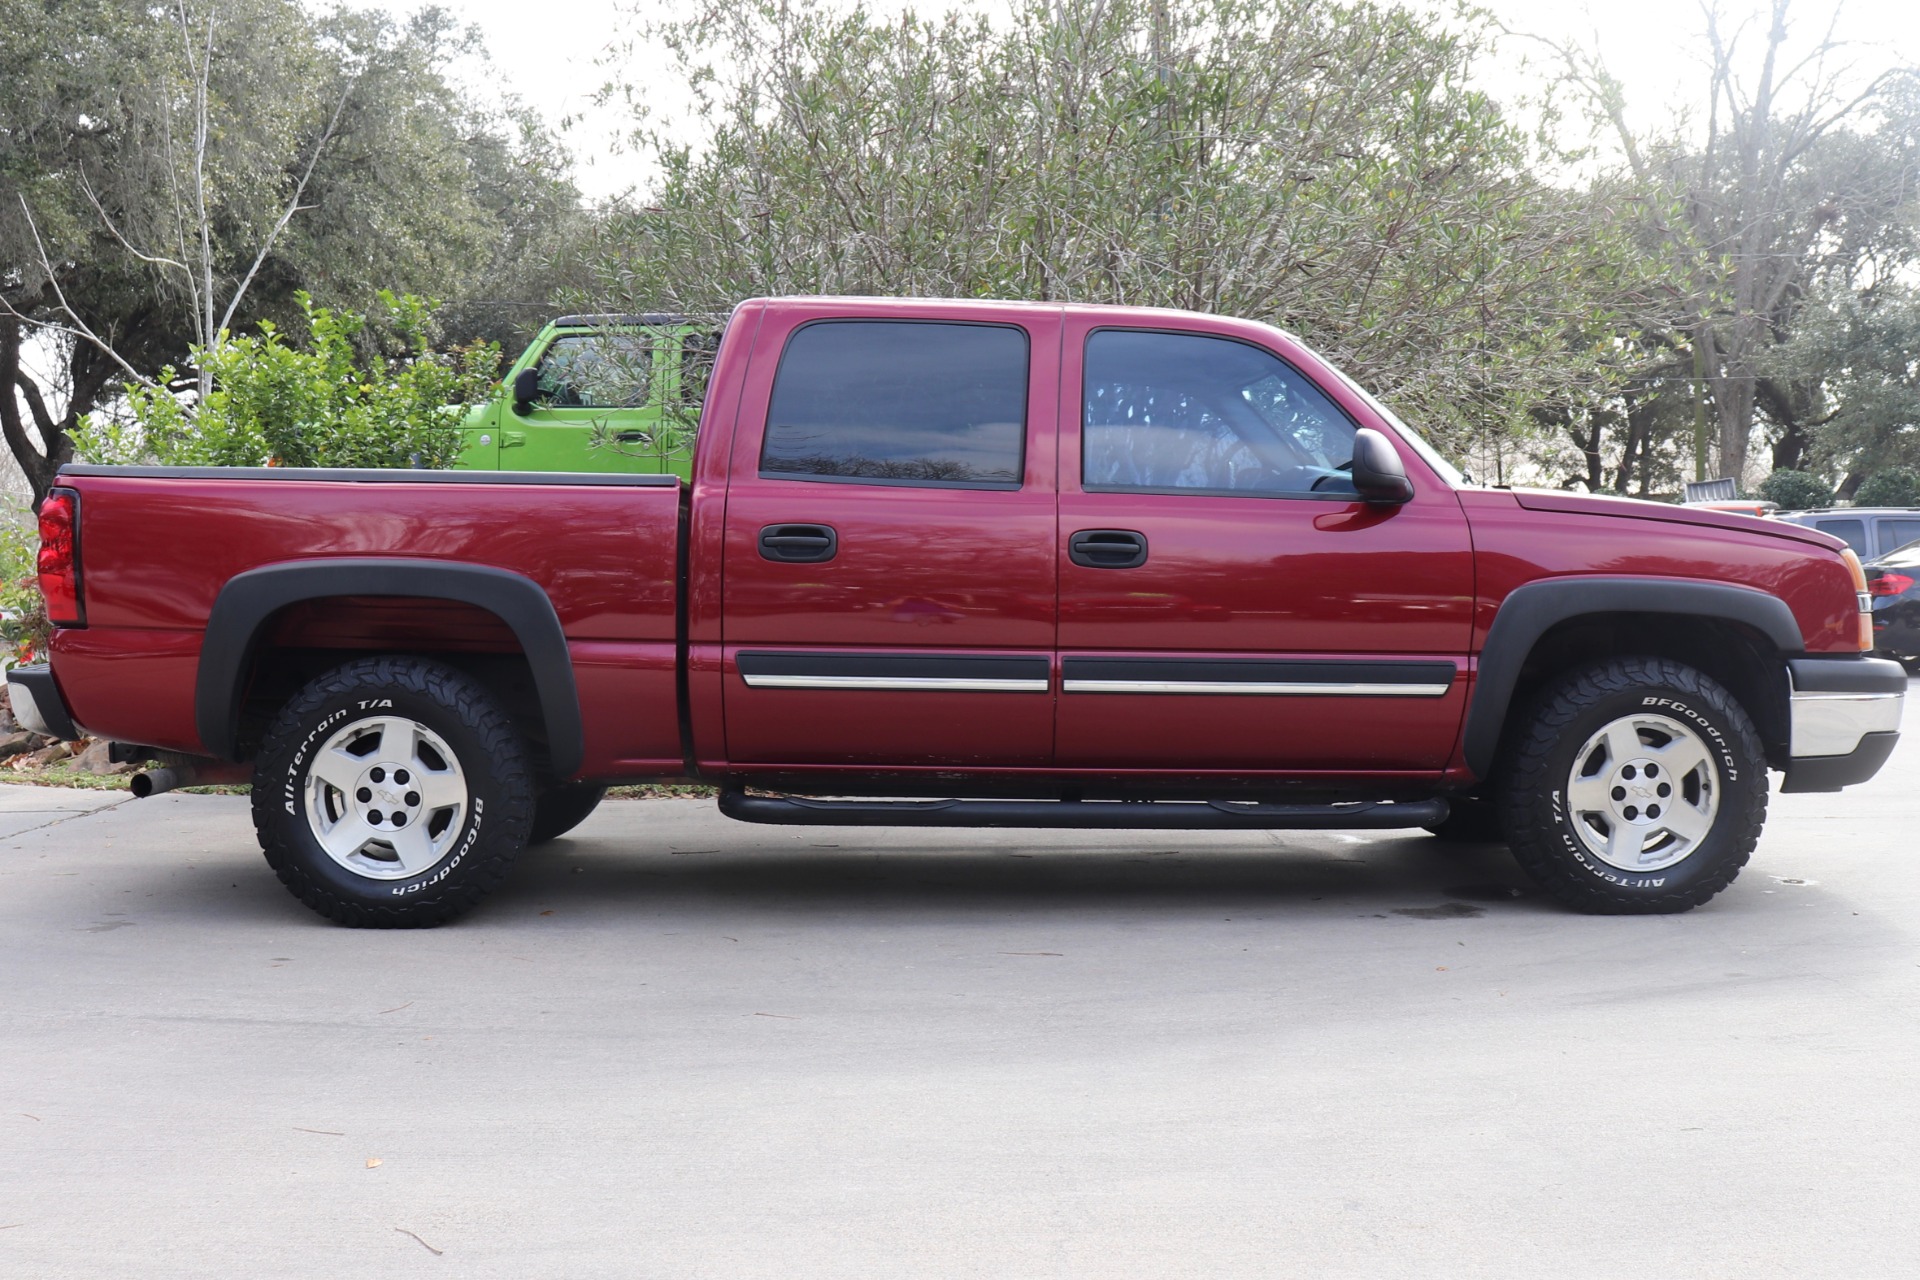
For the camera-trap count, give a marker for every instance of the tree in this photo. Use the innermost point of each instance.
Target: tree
(1795, 490)
(1325, 166)
(1857, 356)
(1894, 487)
(173, 173)
(1798, 177)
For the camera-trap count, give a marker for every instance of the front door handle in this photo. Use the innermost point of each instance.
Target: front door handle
(799, 543)
(1108, 548)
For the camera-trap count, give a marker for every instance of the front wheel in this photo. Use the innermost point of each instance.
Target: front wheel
(1637, 787)
(392, 793)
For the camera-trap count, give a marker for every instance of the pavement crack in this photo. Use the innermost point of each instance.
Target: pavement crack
(78, 813)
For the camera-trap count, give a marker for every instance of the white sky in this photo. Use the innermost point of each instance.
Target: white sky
(547, 54)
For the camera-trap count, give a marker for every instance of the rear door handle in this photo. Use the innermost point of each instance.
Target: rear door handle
(1108, 548)
(799, 543)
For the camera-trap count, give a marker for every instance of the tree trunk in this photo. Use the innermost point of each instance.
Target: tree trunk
(17, 391)
(89, 374)
(1733, 397)
(1790, 450)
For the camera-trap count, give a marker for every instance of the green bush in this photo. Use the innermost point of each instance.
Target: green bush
(24, 630)
(1795, 490)
(358, 395)
(1894, 487)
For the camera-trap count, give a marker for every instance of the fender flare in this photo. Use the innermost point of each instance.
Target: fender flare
(249, 599)
(1530, 611)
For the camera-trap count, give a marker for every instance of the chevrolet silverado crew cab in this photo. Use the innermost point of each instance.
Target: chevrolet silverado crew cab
(969, 564)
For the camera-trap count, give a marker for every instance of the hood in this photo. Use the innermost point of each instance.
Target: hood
(1594, 504)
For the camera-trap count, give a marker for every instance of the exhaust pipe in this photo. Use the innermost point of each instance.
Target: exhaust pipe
(190, 772)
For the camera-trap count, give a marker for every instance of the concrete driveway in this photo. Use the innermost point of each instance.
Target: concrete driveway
(675, 1046)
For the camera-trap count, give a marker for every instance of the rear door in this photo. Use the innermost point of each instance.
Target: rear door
(1894, 532)
(1226, 602)
(889, 580)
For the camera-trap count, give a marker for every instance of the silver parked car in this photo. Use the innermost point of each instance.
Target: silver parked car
(1870, 531)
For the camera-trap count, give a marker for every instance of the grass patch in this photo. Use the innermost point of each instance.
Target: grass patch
(664, 791)
(54, 776)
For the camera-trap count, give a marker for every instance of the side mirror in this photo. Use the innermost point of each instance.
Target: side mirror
(526, 389)
(1378, 474)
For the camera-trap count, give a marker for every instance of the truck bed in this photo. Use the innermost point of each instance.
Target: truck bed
(161, 543)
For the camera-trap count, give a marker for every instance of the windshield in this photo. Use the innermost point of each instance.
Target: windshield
(1431, 456)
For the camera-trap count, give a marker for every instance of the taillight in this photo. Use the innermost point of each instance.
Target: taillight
(1889, 584)
(59, 561)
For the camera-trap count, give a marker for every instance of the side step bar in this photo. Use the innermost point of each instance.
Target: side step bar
(1104, 815)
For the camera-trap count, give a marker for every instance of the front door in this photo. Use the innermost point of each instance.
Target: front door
(889, 574)
(1225, 599)
(600, 408)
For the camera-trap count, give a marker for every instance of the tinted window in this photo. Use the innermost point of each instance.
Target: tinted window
(1183, 412)
(1897, 533)
(900, 402)
(1854, 531)
(596, 371)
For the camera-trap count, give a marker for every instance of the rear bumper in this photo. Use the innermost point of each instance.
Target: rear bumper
(37, 704)
(1845, 720)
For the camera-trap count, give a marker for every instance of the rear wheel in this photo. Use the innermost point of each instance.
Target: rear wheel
(1638, 786)
(392, 793)
(559, 810)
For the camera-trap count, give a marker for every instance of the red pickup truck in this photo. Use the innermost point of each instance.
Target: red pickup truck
(974, 564)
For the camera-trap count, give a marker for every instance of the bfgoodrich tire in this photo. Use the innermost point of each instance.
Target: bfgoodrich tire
(1636, 787)
(392, 793)
(558, 810)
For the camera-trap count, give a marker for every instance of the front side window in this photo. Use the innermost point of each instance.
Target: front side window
(900, 402)
(1172, 412)
(596, 371)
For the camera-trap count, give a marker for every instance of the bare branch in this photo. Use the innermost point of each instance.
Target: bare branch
(114, 231)
(77, 327)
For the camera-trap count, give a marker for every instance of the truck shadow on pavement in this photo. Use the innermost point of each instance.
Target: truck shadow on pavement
(1413, 876)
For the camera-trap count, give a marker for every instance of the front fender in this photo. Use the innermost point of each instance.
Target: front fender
(1530, 611)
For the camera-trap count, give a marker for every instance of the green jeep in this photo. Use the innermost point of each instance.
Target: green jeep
(597, 393)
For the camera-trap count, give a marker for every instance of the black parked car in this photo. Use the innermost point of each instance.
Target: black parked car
(1894, 581)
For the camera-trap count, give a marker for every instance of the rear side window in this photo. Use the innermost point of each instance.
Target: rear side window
(900, 402)
(1854, 532)
(1174, 412)
(1895, 534)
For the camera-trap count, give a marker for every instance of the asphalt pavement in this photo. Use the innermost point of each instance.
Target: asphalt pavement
(676, 1046)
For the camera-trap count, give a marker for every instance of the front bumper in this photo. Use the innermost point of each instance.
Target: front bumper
(37, 704)
(1845, 720)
